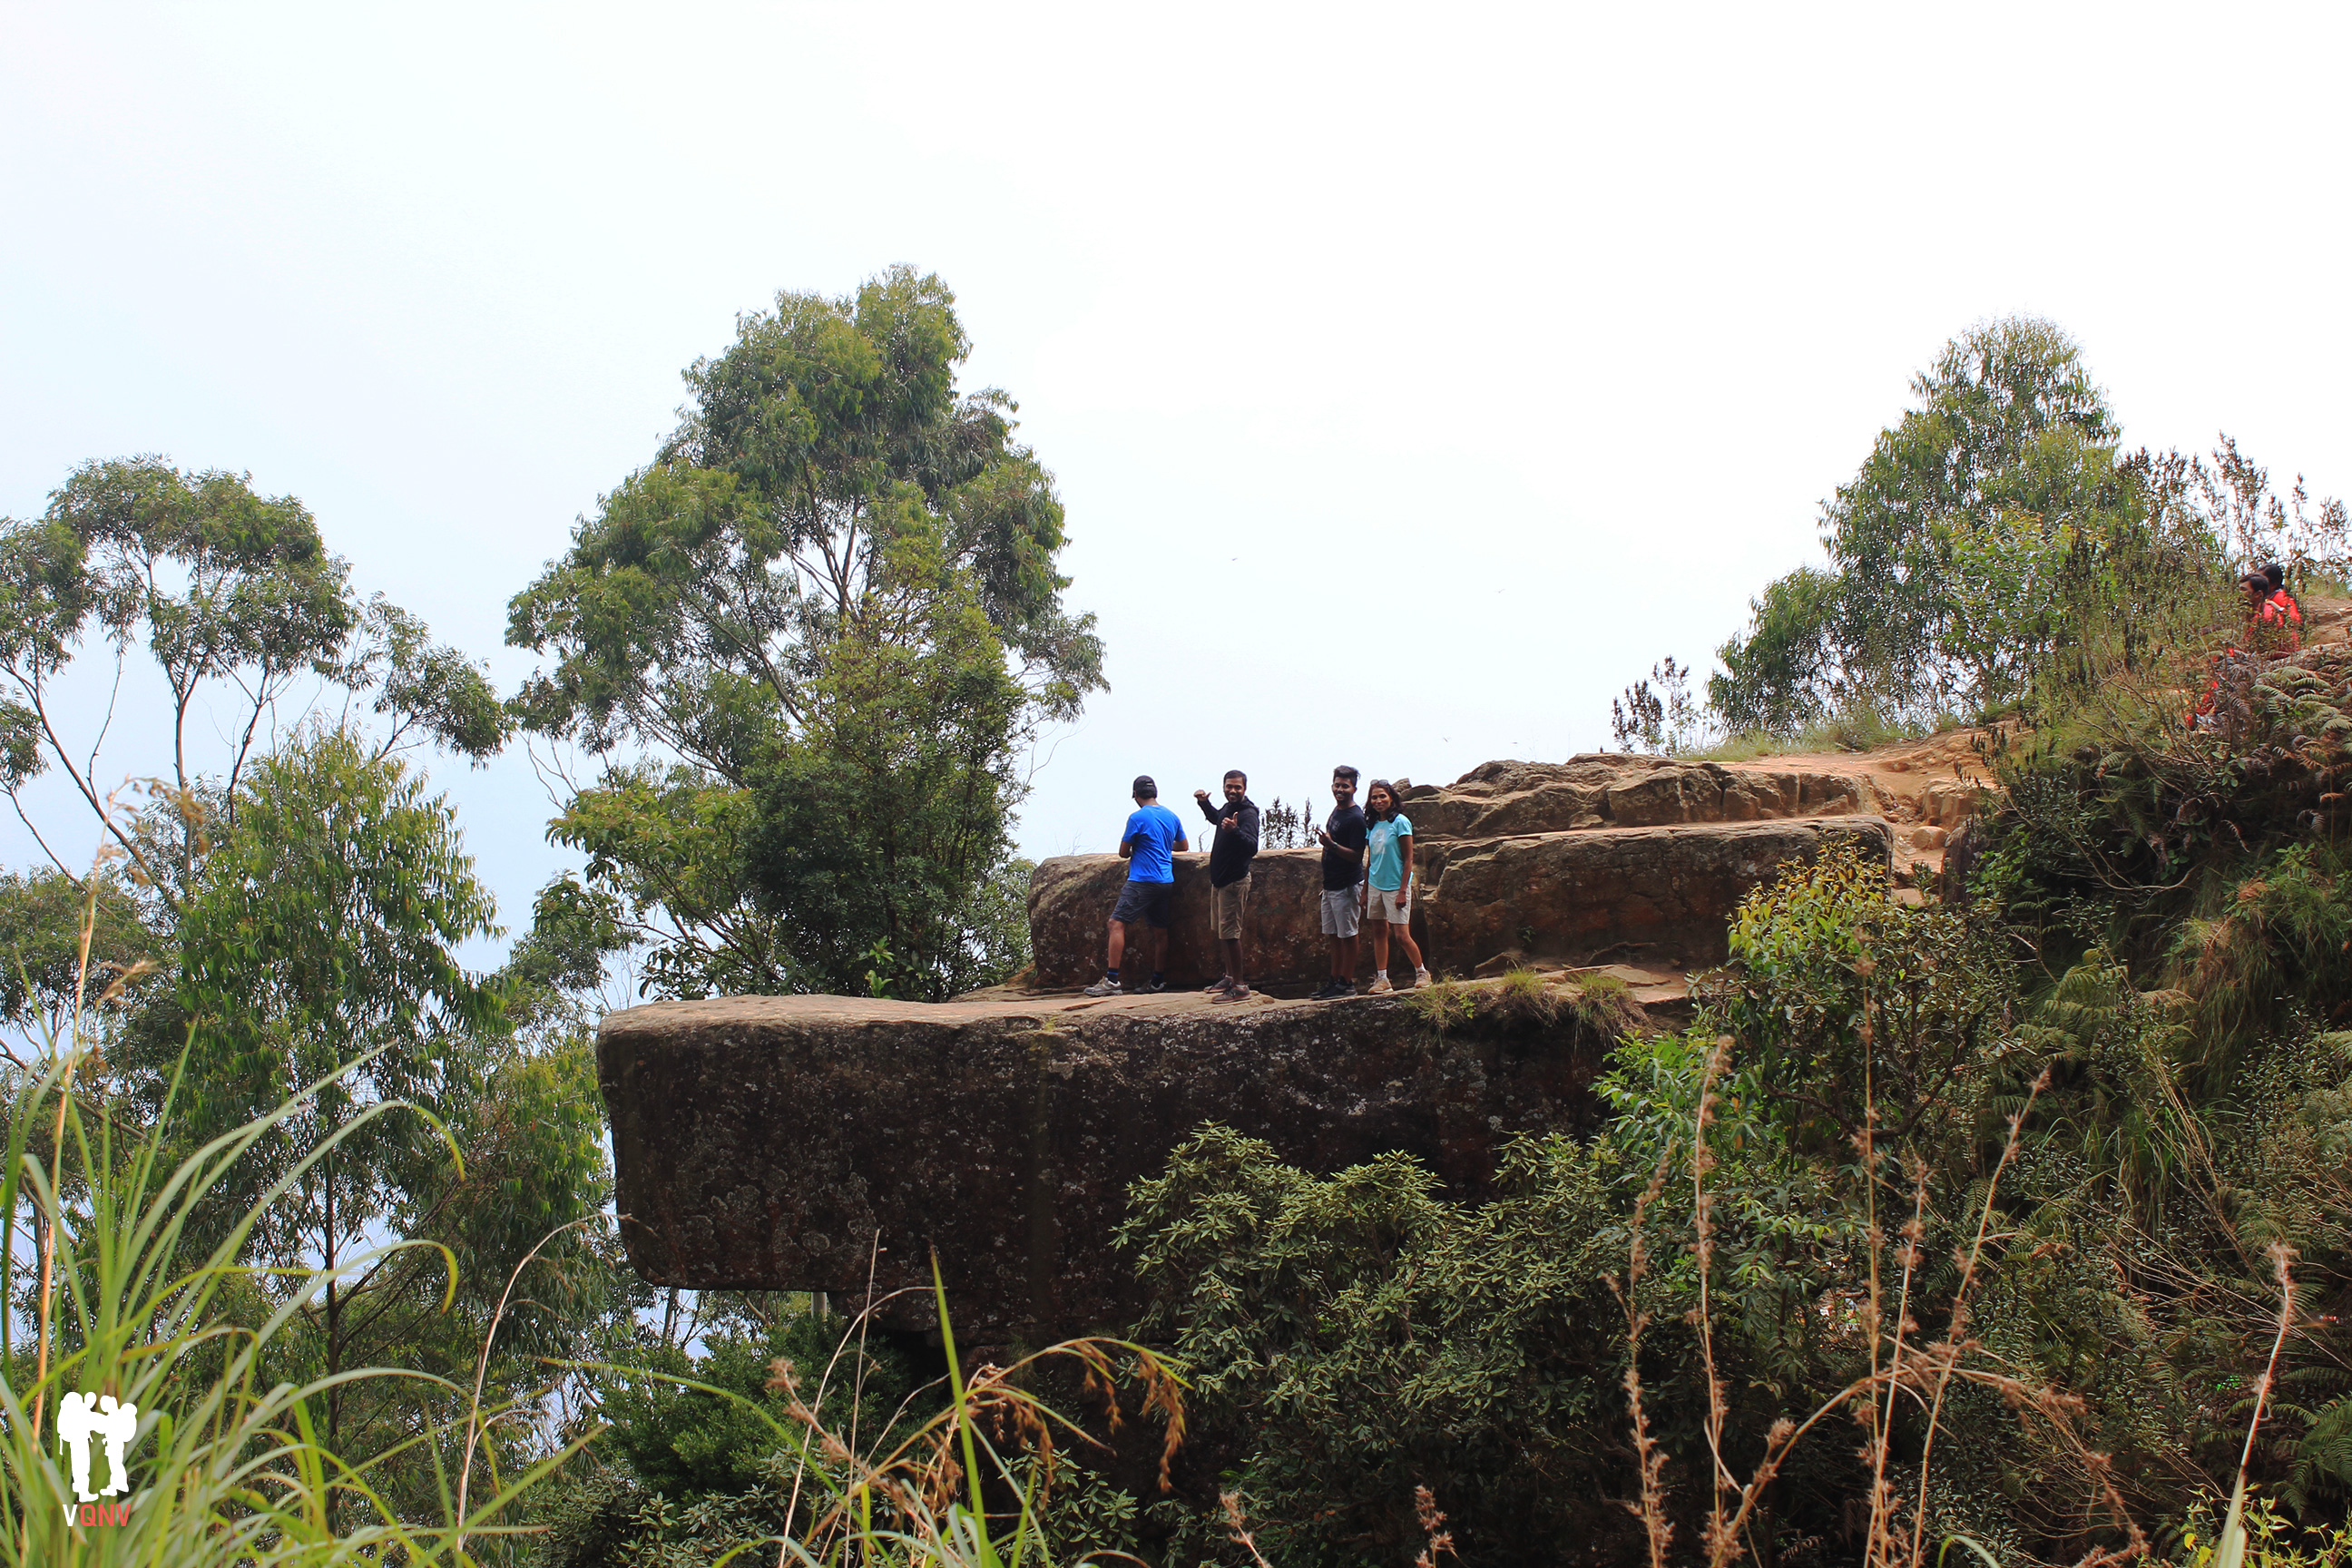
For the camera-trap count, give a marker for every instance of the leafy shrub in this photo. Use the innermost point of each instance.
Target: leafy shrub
(1354, 1336)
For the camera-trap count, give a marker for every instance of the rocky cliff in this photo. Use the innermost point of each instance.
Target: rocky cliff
(1655, 896)
(820, 1142)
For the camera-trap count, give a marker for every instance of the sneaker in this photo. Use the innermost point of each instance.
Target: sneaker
(1237, 992)
(1106, 986)
(1221, 983)
(1421, 978)
(1157, 983)
(1380, 986)
(1332, 990)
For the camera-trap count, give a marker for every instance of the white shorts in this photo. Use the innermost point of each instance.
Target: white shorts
(1394, 906)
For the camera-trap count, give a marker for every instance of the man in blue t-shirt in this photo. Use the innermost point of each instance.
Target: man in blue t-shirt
(1153, 836)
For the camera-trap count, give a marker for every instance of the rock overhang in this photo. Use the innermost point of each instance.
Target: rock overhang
(808, 1143)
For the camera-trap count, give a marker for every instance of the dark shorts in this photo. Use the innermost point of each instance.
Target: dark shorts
(1147, 902)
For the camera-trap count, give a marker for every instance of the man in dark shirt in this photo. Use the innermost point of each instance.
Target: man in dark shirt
(1229, 855)
(1342, 839)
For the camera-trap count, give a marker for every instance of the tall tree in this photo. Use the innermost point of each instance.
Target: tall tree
(322, 930)
(809, 642)
(1945, 547)
(246, 617)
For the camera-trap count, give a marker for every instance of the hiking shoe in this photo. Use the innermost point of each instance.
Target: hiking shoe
(1106, 986)
(1234, 992)
(1380, 986)
(1420, 978)
(1333, 989)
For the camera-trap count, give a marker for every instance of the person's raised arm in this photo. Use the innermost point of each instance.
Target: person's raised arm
(1201, 799)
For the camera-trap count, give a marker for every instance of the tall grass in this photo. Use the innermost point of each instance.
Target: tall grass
(225, 1465)
(1904, 1370)
(969, 1487)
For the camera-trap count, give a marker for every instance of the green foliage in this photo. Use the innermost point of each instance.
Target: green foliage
(1998, 550)
(884, 819)
(1779, 678)
(420, 685)
(1860, 1061)
(830, 609)
(44, 915)
(1354, 1336)
(228, 1462)
(238, 601)
(806, 1441)
(2207, 858)
(1946, 548)
(1847, 1000)
(686, 1443)
(325, 923)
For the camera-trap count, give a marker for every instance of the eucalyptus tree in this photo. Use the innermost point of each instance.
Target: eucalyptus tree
(301, 897)
(235, 601)
(808, 644)
(1945, 548)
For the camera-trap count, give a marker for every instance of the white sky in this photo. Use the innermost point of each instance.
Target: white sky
(1414, 377)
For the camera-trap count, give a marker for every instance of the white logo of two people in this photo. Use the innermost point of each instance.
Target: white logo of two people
(82, 1417)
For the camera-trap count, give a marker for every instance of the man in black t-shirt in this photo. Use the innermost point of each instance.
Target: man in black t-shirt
(1229, 876)
(1342, 839)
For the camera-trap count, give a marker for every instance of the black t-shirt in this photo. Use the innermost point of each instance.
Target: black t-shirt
(1344, 867)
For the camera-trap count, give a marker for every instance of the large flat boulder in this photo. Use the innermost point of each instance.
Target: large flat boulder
(1649, 894)
(1603, 789)
(1639, 895)
(775, 1142)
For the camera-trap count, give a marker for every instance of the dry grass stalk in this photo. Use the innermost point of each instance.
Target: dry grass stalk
(73, 1054)
(1237, 1527)
(1948, 1351)
(1432, 1528)
(919, 1478)
(1927, 1370)
(1650, 1459)
(1880, 1545)
(2231, 1548)
(1703, 1216)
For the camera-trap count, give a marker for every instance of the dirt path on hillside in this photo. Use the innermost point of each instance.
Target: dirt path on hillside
(1903, 767)
(1903, 771)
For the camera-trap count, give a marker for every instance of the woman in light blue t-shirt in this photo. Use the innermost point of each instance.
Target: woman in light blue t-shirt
(1388, 884)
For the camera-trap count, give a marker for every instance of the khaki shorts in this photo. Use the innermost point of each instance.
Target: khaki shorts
(1394, 906)
(1341, 915)
(1226, 906)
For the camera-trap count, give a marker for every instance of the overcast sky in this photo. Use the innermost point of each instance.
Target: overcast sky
(1414, 377)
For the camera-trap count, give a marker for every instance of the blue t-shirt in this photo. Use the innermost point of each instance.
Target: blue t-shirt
(1153, 830)
(1387, 869)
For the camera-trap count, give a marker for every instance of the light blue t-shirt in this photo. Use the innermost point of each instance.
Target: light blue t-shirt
(1154, 831)
(1387, 868)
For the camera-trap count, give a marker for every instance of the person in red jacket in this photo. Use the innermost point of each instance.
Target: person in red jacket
(2277, 618)
(2273, 629)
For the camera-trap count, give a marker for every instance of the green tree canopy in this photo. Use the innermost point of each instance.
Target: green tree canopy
(809, 641)
(1946, 548)
(323, 929)
(238, 601)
